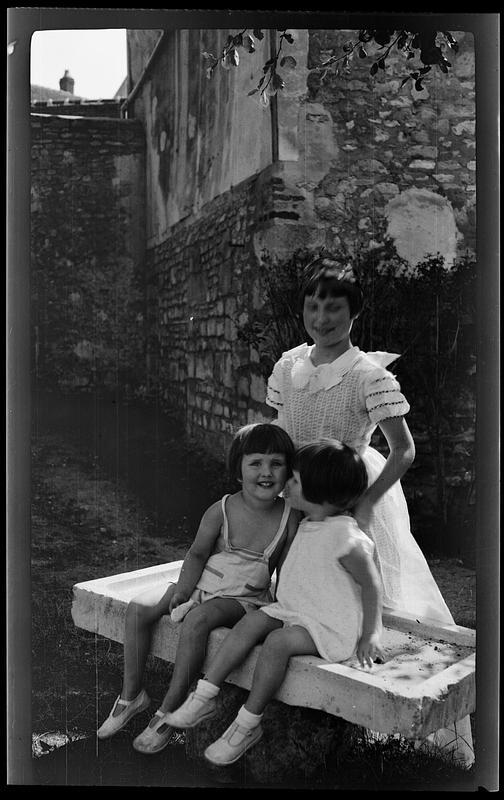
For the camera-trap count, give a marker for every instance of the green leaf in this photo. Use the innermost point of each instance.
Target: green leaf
(253, 91)
(374, 69)
(258, 34)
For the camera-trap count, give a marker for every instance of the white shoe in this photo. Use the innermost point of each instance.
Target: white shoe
(232, 744)
(155, 737)
(130, 707)
(192, 711)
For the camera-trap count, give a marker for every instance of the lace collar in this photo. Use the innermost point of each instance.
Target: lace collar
(305, 374)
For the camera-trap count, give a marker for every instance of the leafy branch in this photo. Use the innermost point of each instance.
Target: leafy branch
(429, 47)
(271, 81)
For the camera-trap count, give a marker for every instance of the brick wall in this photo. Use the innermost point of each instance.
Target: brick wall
(87, 242)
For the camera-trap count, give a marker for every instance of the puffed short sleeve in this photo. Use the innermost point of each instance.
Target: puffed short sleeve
(274, 396)
(351, 536)
(383, 396)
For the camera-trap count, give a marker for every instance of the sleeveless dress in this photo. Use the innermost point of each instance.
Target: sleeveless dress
(330, 608)
(345, 400)
(237, 572)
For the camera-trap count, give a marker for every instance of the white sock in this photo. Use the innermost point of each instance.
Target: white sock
(247, 719)
(207, 689)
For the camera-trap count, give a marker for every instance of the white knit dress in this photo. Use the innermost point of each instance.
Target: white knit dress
(346, 400)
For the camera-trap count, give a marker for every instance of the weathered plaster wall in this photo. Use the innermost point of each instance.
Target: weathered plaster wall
(139, 47)
(88, 247)
(203, 136)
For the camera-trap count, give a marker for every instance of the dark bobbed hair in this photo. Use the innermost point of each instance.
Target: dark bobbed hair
(331, 472)
(327, 278)
(259, 437)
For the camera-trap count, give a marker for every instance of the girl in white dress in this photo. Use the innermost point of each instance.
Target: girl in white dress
(333, 389)
(328, 600)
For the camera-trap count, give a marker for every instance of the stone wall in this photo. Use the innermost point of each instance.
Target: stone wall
(201, 284)
(87, 243)
(406, 156)
(78, 107)
(372, 157)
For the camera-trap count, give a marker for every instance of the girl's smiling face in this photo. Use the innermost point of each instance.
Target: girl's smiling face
(263, 474)
(327, 319)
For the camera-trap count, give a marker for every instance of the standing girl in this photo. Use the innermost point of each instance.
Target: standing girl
(333, 389)
(227, 571)
(328, 599)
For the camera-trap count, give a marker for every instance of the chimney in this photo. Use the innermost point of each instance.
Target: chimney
(67, 83)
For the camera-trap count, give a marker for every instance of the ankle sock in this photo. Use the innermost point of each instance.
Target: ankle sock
(207, 689)
(247, 719)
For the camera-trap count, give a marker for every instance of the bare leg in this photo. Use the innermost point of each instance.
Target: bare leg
(273, 661)
(191, 649)
(251, 630)
(141, 615)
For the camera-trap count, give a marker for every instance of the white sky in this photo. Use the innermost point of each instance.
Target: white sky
(95, 59)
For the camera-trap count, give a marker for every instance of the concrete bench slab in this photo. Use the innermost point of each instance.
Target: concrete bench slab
(426, 681)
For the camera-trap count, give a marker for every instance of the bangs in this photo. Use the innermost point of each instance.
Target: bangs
(266, 439)
(327, 286)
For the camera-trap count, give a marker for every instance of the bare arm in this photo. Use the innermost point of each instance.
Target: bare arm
(198, 554)
(292, 526)
(401, 456)
(361, 567)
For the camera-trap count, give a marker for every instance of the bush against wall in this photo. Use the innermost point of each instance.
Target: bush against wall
(427, 314)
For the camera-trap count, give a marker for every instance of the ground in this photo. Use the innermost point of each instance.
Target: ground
(88, 523)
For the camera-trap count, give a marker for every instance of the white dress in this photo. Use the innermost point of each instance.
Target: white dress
(345, 400)
(330, 607)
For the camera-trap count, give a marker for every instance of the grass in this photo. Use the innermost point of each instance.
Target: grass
(86, 525)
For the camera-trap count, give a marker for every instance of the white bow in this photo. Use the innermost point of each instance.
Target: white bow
(325, 376)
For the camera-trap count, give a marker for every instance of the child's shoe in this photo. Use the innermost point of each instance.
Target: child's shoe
(232, 744)
(155, 737)
(192, 711)
(130, 708)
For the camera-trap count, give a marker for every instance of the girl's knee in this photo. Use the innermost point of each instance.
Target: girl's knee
(196, 622)
(138, 613)
(277, 642)
(254, 625)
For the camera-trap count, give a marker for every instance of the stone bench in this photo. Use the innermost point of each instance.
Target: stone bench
(426, 681)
